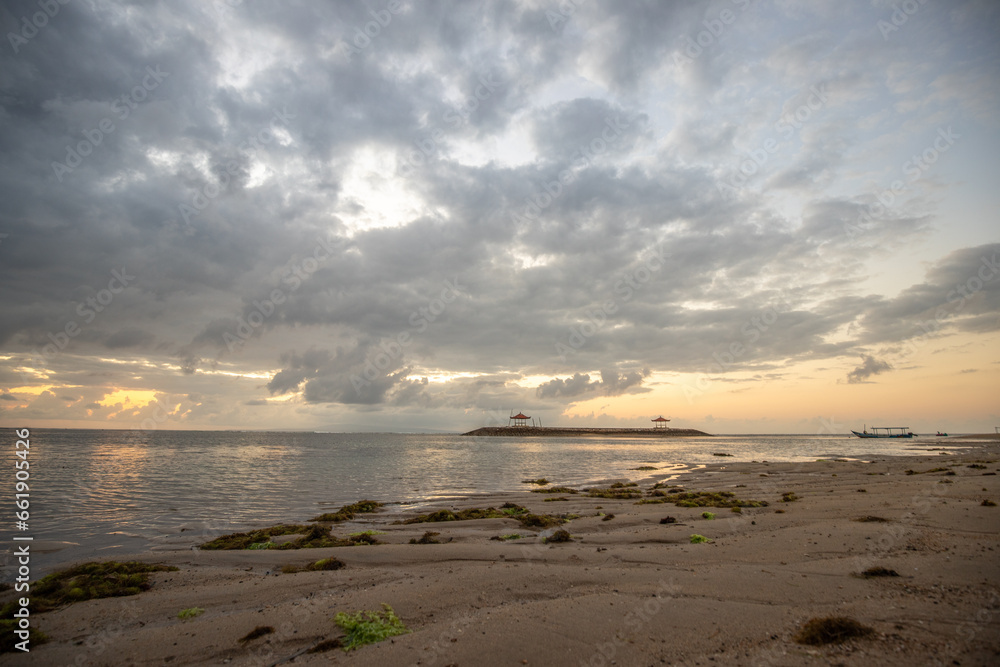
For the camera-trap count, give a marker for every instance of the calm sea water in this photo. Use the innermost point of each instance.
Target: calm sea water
(109, 493)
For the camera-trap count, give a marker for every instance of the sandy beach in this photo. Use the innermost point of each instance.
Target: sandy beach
(627, 590)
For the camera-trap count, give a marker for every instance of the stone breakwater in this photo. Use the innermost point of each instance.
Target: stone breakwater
(555, 432)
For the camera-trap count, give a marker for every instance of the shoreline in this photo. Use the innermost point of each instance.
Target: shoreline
(571, 432)
(628, 589)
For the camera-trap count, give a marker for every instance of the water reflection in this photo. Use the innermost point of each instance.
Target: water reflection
(98, 487)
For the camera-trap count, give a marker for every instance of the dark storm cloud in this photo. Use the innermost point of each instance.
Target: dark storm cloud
(612, 383)
(222, 157)
(869, 366)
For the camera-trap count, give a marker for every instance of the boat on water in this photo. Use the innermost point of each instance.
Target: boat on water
(885, 432)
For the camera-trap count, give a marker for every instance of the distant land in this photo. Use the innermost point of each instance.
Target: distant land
(556, 432)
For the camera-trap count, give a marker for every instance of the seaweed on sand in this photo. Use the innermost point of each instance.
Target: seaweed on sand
(9, 640)
(507, 511)
(830, 630)
(368, 627)
(426, 538)
(615, 492)
(311, 537)
(89, 581)
(558, 536)
(723, 499)
(322, 564)
(347, 512)
(259, 631)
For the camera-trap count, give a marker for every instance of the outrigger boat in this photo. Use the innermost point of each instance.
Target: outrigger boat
(885, 432)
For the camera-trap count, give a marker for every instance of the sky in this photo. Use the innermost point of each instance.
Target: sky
(747, 216)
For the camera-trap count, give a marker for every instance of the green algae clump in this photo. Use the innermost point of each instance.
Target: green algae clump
(369, 627)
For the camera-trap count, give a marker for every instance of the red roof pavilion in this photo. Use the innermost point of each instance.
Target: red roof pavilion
(520, 419)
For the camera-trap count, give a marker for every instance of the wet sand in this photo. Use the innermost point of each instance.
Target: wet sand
(625, 591)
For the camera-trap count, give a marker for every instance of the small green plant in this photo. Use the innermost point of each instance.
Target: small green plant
(608, 517)
(193, 612)
(720, 454)
(788, 497)
(707, 515)
(555, 500)
(699, 539)
(736, 510)
(644, 468)
(556, 489)
(988, 503)
(259, 545)
(541, 481)
(368, 627)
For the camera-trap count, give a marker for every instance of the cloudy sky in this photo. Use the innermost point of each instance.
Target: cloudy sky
(746, 215)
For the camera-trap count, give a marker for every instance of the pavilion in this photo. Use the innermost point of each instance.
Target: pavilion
(520, 419)
(660, 422)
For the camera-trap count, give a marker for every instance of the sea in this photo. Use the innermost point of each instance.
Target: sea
(111, 493)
